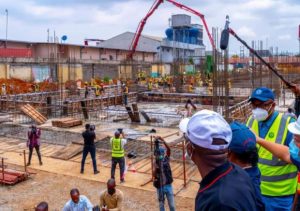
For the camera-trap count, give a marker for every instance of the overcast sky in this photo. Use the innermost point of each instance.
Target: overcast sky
(275, 22)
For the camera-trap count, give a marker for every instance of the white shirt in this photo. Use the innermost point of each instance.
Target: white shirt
(82, 205)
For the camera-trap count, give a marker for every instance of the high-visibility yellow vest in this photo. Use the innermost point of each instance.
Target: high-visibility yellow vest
(117, 149)
(97, 92)
(150, 86)
(278, 178)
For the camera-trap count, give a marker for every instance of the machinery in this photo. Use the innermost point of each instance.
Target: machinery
(155, 5)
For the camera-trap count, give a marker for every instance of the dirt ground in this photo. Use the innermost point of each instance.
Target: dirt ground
(54, 189)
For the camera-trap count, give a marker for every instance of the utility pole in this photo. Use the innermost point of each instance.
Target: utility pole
(6, 11)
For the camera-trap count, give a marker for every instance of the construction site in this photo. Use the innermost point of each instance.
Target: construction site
(60, 87)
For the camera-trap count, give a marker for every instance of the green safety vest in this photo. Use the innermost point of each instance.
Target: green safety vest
(278, 178)
(117, 149)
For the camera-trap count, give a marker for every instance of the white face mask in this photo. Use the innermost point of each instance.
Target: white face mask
(260, 114)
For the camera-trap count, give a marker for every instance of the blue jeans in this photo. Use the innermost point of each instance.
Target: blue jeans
(92, 151)
(278, 203)
(125, 97)
(166, 191)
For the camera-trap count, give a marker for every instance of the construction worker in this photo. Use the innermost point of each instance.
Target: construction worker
(150, 86)
(118, 154)
(3, 89)
(97, 91)
(86, 91)
(191, 88)
(36, 87)
(278, 178)
(290, 154)
(125, 94)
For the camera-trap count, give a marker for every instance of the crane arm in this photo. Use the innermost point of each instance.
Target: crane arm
(155, 5)
(140, 28)
(201, 16)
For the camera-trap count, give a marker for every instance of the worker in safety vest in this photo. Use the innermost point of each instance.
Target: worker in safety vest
(125, 94)
(3, 89)
(191, 88)
(36, 87)
(97, 90)
(278, 178)
(118, 154)
(290, 154)
(150, 86)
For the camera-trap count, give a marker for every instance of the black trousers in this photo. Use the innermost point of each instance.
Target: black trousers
(121, 162)
(37, 149)
(85, 152)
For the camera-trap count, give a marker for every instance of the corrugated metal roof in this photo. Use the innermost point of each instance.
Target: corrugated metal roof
(123, 42)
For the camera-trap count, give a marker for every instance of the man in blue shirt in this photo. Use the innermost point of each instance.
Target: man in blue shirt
(278, 179)
(78, 202)
(243, 152)
(224, 186)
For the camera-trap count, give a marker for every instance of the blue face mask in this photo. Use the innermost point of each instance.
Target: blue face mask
(294, 151)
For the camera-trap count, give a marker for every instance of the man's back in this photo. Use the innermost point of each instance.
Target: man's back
(89, 137)
(228, 187)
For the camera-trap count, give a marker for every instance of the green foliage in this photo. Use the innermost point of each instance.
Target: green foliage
(106, 79)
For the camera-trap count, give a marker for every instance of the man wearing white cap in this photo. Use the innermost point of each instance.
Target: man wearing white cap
(224, 185)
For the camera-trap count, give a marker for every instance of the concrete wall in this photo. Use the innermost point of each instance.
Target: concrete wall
(3, 70)
(20, 72)
(100, 70)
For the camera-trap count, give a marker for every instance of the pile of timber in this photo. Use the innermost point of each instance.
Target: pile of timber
(33, 114)
(66, 122)
(11, 177)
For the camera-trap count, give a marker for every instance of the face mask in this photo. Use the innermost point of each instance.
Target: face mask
(260, 114)
(294, 151)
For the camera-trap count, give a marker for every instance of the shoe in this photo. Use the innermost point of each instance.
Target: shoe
(28, 164)
(122, 181)
(81, 172)
(41, 163)
(96, 172)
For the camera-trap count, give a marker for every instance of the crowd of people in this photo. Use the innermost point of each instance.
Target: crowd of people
(252, 166)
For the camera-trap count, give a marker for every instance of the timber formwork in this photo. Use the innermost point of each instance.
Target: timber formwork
(65, 103)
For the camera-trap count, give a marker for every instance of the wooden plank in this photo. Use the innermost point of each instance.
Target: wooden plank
(145, 115)
(33, 114)
(130, 114)
(136, 113)
(68, 152)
